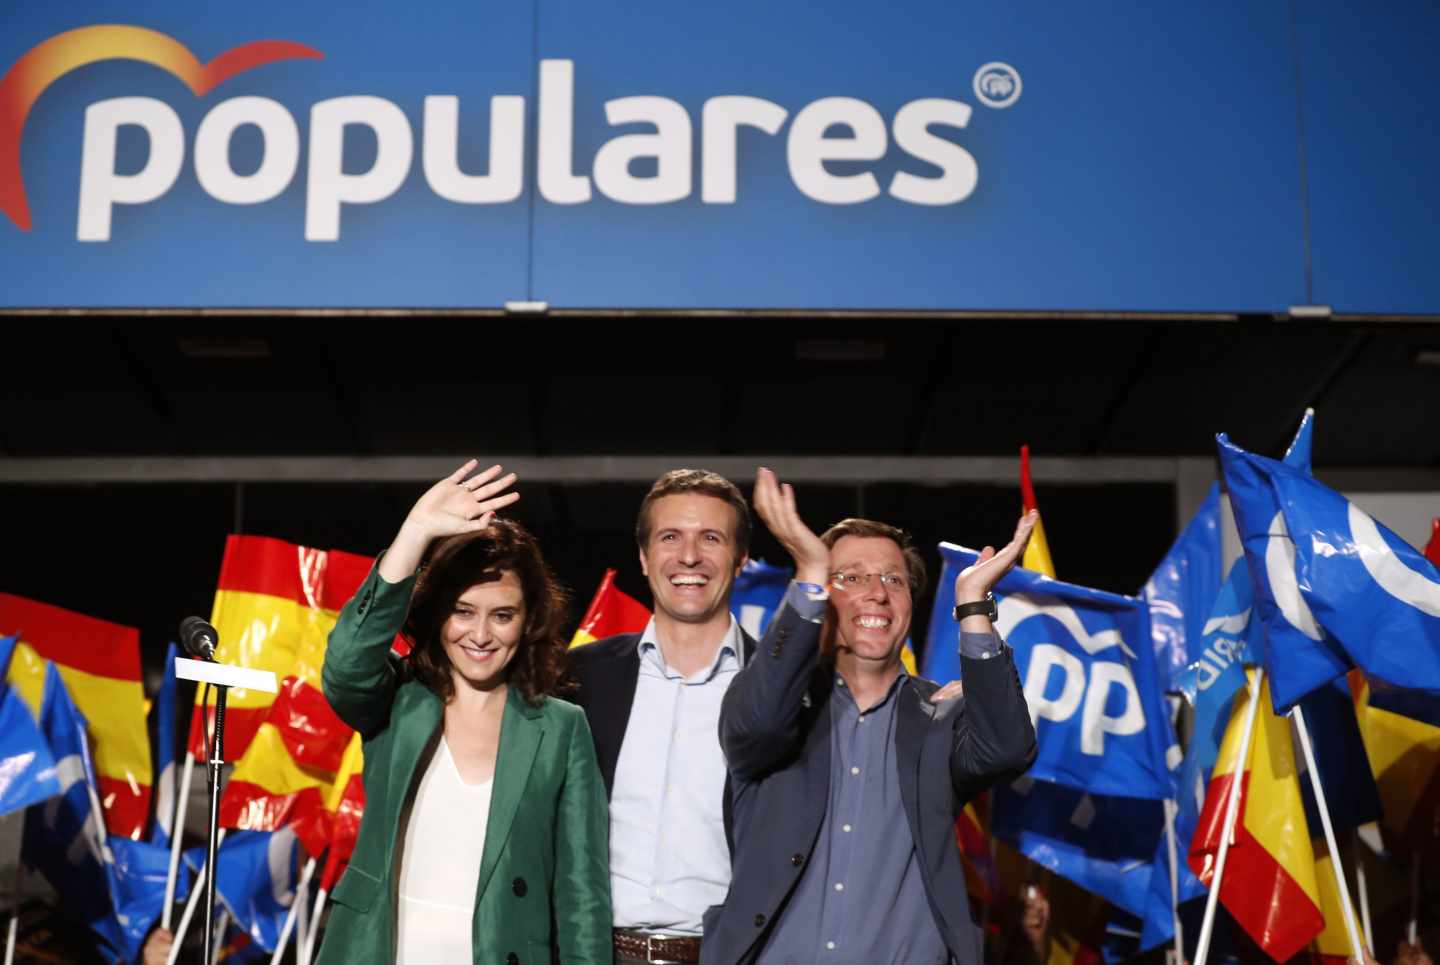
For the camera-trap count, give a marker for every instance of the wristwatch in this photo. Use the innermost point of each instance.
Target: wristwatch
(985, 608)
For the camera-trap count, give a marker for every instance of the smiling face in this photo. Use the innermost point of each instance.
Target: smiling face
(483, 632)
(870, 602)
(690, 558)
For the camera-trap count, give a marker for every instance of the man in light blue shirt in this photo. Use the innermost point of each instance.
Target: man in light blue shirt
(653, 704)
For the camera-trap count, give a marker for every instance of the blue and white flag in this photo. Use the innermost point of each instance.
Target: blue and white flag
(165, 765)
(757, 594)
(64, 838)
(138, 880)
(1182, 589)
(257, 879)
(1335, 588)
(27, 769)
(1102, 843)
(1089, 675)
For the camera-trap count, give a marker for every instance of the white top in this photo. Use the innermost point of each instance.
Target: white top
(668, 857)
(440, 866)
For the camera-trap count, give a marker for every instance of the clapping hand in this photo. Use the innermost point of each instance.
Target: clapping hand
(775, 504)
(980, 577)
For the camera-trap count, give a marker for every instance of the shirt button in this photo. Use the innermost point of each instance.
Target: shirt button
(830, 946)
(862, 718)
(854, 770)
(847, 829)
(839, 886)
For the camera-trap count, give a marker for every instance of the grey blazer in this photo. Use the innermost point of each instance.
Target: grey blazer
(775, 731)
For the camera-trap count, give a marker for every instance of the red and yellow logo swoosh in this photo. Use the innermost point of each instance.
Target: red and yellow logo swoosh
(45, 63)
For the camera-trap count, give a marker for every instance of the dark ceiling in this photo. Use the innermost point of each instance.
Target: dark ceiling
(707, 385)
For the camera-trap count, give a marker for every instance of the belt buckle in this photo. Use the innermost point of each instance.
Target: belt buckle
(650, 953)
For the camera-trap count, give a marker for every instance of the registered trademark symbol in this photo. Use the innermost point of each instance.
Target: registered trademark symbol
(997, 84)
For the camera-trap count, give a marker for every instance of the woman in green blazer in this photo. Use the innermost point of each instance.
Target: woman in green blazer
(485, 829)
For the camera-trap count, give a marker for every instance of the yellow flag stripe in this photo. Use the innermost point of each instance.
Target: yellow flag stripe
(267, 633)
(114, 709)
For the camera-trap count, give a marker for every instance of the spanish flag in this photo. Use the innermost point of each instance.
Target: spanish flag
(1401, 731)
(100, 664)
(1037, 551)
(1270, 886)
(346, 806)
(610, 612)
(1331, 946)
(286, 774)
(271, 603)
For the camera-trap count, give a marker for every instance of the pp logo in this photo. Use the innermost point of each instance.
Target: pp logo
(997, 85)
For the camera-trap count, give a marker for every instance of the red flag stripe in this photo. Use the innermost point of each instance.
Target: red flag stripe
(260, 564)
(86, 643)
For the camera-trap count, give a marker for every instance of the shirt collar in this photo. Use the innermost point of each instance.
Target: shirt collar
(900, 680)
(730, 647)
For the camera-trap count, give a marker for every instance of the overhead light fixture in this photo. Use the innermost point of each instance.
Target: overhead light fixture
(840, 349)
(1428, 356)
(234, 348)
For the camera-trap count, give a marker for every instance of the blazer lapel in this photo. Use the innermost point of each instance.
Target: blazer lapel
(612, 693)
(521, 730)
(909, 743)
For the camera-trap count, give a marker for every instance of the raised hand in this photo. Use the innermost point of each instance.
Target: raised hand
(775, 504)
(457, 505)
(452, 506)
(976, 580)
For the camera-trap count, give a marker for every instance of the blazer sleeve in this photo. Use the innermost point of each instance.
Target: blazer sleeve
(760, 714)
(357, 677)
(993, 738)
(582, 856)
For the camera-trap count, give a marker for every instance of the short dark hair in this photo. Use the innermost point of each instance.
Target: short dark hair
(869, 528)
(705, 483)
(456, 563)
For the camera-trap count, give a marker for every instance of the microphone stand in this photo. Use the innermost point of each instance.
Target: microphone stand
(222, 677)
(216, 761)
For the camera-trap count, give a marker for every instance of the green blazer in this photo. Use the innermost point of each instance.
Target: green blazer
(545, 874)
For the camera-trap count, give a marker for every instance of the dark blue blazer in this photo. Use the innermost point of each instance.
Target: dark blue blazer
(604, 675)
(775, 731)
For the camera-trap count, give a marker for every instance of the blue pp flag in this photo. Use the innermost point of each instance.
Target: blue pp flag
(1210, 684)
(138, 881)
(1181, 590)
(1102, 843)
(1089, 678)
(165, 776)
(257, 880)
(758, 591)
(27, 769)
(64, 838)
(1335, 588)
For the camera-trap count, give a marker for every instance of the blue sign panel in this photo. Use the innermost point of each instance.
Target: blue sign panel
(930, 156)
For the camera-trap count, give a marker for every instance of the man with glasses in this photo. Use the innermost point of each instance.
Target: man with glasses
(847, 773)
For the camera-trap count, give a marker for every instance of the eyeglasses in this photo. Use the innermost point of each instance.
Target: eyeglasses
(848, 581)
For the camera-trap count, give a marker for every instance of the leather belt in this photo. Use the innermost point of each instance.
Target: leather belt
(657, 947)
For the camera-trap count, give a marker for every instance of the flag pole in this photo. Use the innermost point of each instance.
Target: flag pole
(12, 932)
(293, 913)
(1232, 809)
(309, 949)
(1362, 887)
(1356, 947)
(302, 917)
(1412, 930)
(177, 830)
(197, 889)
(1170, 808)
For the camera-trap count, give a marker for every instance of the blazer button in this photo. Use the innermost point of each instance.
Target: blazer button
(512, 959)
(775, 652)
(797, 859)
(518, 886)
(784, 632)
(759, 921)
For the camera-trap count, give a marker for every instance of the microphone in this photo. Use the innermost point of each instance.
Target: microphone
(198, 638)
